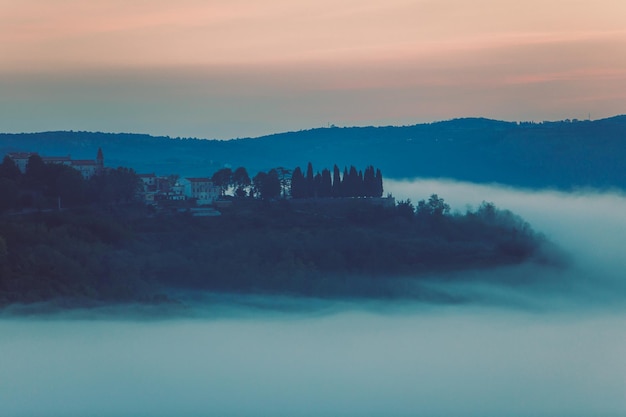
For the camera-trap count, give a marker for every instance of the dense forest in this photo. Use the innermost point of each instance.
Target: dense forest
(322, 248)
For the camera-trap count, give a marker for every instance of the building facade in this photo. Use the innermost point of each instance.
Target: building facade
(201, 189)
(88, 168)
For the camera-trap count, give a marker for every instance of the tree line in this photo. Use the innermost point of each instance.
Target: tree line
(50, 185)
(352, 183)
(282, 182)
(44, 185)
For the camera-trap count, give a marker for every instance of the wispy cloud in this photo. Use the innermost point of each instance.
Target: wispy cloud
(198, 32)
(349, 62)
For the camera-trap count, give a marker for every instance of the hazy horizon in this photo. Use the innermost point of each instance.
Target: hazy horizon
(317, 127)
(238, 69)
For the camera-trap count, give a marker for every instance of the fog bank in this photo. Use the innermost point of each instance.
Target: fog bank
(588, 225)
(452, 362)
(554, 349)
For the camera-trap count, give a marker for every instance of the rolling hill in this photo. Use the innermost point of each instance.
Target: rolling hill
(563, 155)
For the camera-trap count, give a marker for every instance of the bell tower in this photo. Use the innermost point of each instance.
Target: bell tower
(100, 161)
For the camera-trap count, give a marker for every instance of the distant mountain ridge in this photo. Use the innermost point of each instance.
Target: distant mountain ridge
(564, 154)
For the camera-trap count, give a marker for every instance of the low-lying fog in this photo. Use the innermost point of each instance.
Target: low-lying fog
(521, 352)
(589, 226)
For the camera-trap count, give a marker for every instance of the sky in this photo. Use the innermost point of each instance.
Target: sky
(238, 68)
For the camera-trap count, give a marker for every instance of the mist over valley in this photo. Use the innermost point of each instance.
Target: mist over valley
(553, 348)
(313, 208)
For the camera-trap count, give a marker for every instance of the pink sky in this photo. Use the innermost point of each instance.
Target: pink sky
(246, 67)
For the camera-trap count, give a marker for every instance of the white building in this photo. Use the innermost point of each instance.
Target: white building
(20, 159)
(149, 182)
(201, 189)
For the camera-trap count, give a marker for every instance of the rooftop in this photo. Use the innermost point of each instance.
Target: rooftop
(199, 179)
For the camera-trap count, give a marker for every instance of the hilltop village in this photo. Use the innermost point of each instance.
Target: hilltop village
(84, 232)
(29, 180)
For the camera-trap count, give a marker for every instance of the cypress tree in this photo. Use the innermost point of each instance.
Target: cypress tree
(336, 187)
(369, 182)
(345, 183)
(271, 187)
(317, 190)
(351, 182)
(298, 184)
(310, 181)
(326, 188)
(379, 184)
(360, 187)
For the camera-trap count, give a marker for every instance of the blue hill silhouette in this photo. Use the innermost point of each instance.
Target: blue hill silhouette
(563, 154)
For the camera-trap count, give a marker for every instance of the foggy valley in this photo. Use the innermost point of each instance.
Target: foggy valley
(194, 222)
(553, 348)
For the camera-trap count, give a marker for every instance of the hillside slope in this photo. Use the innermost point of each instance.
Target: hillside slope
(564, 155)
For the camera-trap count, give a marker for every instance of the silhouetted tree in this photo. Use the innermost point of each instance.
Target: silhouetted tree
(223, 178)
(325, 189)
(36, 173)
(284, 176)
(372, 182)
(369, 182)
(298, 184)
(345, 183)
(9, 170)
(272, 185)
(317, 185)
(438, 206)
(267, 185)
(487, 211)
(257, 184)
(336, 190)
(353, 184)
(379, 184)
(241, 180)
(310, 181)
(405, 209)
(435, 206)
(360, 188)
